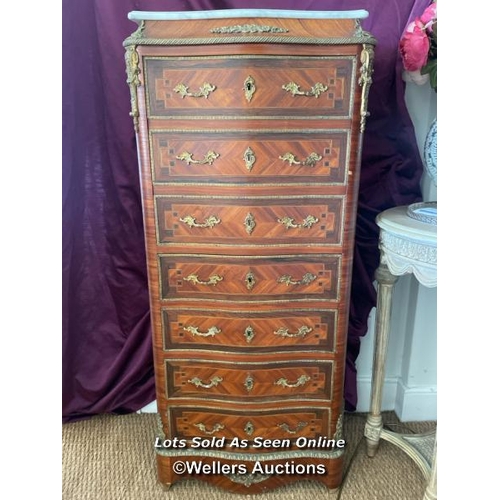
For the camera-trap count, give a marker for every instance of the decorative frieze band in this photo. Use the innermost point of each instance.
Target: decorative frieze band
(410, 249)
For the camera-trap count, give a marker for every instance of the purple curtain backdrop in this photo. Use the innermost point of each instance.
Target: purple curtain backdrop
(107, 353)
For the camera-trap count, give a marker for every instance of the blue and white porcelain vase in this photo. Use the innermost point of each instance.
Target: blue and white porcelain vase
(430, 151)
(427, 211)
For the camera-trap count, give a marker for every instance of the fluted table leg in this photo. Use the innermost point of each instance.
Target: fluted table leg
(373, 425)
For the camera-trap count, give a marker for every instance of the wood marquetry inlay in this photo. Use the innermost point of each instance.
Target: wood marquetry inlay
(232, 281)
(244, 380)
(266, 155)
(267, 424)
(249, 132)
(275, 330)
(236, 220)
(174, 86)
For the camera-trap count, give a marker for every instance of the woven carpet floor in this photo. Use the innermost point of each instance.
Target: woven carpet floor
(112, 457)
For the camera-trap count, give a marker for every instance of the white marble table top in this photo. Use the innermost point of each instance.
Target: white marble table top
(408, 245)
(255, 13)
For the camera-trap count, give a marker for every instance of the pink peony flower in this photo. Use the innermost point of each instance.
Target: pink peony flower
(418, 48)
(414, 46)
(429, 15)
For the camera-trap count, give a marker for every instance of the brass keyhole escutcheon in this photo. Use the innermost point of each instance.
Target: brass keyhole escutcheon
(249, 158)
(250, 223)
(249, 382)
(249, 428)
(249, 88)
(249, 333)
(250, 280)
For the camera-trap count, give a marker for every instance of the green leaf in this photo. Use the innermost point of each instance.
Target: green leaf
(431, 69)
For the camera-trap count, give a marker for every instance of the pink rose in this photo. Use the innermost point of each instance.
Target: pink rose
(429, 15)
(414, 46)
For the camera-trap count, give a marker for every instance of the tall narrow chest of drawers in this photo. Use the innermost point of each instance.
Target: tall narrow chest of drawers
(249, 126)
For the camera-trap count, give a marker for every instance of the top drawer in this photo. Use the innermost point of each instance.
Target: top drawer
(249, 86)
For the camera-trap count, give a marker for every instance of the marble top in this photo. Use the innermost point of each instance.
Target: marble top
(396, 220)
(254, 13)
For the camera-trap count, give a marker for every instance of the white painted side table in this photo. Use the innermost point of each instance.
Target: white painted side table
(407, 246)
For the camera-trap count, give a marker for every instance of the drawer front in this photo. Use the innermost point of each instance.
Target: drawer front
(228, 156)
(248, 86)
(187, 423)
(260, 278)
(249, 331)
(237, 220)
(188, 378)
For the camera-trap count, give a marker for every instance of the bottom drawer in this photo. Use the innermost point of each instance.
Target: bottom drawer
(292, 423)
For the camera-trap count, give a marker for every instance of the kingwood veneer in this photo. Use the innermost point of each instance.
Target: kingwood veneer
(249, 127)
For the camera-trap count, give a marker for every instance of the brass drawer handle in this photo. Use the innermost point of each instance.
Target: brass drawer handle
(289, 222)
(249, 88)
(213, 280)
(301, 332)
(215, 428)
(310, 161)
(249, 478)
(209, 158)
(214, 381)
(306, 279)
(286, 427)
(294, 89)
(209, 222)
(211, 332)
(302, 380)
(205, 89)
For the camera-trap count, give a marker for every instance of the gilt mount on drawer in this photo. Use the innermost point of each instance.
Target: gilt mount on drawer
(249, 127)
